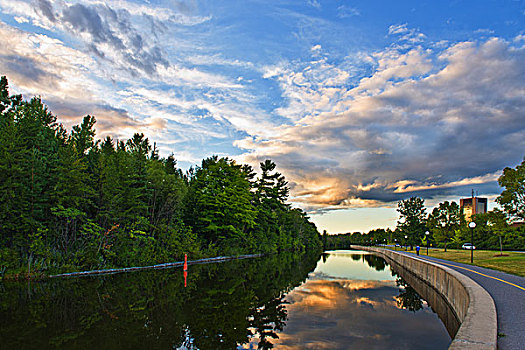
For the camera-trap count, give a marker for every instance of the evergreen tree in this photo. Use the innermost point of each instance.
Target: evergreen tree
(220, 203)
(270, 196)
(70, 201)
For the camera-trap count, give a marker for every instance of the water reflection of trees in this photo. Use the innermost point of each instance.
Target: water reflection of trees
(356, 257)
(375, 262)
(224, 306)
(268, 319)
(408, 298)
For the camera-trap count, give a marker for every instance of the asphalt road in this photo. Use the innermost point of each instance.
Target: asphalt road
(508, 292)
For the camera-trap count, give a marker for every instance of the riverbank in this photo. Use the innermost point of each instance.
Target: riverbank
(510, 262)
(41, 276)
(158, 266)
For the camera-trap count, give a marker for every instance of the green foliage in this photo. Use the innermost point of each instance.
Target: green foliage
(447, 226)
(9, 259)
(70, 202)
(220, 203)
(412, 220)
(444, 221)
(490, 227)
(512, 199)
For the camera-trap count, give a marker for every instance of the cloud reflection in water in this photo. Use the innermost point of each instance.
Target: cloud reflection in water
(330, 312)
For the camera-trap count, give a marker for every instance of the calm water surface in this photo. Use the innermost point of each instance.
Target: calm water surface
(340, 300)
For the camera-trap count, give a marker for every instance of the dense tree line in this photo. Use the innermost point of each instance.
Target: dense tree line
(446, 227)
(69, 201)
(446, 224)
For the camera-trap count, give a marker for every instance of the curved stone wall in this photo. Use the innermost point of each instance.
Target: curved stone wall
(472, 304)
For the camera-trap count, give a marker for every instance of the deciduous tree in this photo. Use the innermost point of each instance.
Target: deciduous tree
(512, 199)
(444, 221)
(412, 219)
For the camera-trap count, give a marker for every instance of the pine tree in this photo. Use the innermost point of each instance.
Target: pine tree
(221, 208)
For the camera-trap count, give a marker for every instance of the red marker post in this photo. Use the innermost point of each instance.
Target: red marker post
(185, 269)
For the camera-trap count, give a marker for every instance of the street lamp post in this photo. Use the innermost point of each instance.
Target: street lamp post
(491, 225)
(443, 225)
(395, 243)
(426, 234)
(406, 247)
(472, 225)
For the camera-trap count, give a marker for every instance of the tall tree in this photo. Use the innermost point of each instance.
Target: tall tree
(83, 135)
(412, 219)
(220, 206)
(325, 239)
(12, 156)
(271, 187)
(271, 192)
(512, 199)
(444, 221)
(29, 144)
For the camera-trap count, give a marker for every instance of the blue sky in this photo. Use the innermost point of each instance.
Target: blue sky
(360, 103)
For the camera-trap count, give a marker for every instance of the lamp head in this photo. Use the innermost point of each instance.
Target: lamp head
(427, 233)
(472, 224)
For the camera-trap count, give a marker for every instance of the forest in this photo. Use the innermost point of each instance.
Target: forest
(69, 201)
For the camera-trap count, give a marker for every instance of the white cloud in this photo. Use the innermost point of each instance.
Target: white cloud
(395, 65)
(425, 118)
(118, 42)
(405, 33)
(21, 19)
(344, 11)
(316, 49)
(175, 75)
(217, 60)
(36, 64)
(314, 3)
(313, 89)
(519, 38)
(43, 65)
(425, 122)
(183, 14)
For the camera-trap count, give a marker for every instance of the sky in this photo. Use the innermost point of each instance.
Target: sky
(360, 103)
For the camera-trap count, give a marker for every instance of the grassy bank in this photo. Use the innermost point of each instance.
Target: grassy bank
(510, 262)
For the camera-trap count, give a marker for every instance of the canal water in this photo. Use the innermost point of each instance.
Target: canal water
(337, 300)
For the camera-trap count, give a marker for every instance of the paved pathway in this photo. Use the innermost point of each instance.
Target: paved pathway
(508, 292)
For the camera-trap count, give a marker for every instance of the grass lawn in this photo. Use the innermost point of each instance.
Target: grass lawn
(512, 263)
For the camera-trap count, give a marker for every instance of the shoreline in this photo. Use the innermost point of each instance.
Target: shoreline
(39, 277)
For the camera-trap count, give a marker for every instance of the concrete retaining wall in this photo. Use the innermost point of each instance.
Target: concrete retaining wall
(472, 304)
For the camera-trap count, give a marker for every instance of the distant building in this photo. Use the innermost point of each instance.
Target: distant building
(472, 206)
